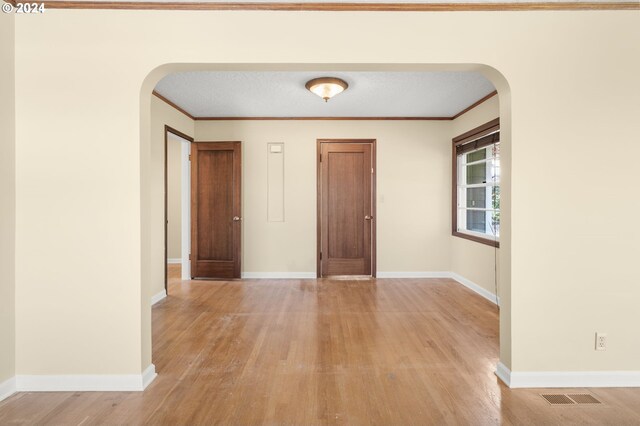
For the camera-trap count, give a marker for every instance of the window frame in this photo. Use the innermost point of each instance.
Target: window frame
(470, 138)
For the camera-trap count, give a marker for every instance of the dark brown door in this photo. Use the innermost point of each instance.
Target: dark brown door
(215, 209)
(346, 208)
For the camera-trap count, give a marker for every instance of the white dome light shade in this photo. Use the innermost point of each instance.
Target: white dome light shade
(326, 87)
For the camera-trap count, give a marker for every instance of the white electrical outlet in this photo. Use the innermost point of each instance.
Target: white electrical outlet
(601, 341)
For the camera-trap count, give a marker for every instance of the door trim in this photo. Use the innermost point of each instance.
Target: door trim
(167, 130)
(319, 143)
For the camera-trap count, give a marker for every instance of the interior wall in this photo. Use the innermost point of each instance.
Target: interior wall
(174, 197)
(163, 114)
(7, 197)
(472, 260)
(572, 107)
(412, 164)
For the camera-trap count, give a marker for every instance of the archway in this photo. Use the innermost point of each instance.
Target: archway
(150, 217)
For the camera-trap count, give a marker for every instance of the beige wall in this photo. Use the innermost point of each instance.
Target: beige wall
(471, 260)
(567, 269)
(413, 163)
(174, 198)
(7, 198)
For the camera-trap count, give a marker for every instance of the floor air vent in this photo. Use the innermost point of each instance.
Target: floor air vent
(570, 399)
(583, 398)
(555, 399)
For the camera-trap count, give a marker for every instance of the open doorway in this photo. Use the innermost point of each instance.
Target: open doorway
(413, 200)
(177, 208)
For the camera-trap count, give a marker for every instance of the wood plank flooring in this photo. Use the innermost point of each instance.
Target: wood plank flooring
(317, 352)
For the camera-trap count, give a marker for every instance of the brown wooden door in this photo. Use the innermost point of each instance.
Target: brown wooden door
(215, 209)
(346, 208)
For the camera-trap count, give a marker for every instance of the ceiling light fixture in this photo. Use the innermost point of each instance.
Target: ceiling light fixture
(326, 87)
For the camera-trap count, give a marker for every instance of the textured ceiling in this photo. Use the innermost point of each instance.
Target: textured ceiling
(282, 94)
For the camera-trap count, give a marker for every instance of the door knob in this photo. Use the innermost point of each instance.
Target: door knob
(236, 218)
(367, 217)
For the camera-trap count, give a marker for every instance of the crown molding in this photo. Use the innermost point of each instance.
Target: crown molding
(342, 7)
(467, 109)
(323, 118)
(475, 104)
(174, 105)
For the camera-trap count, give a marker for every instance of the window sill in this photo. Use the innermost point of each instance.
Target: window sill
(487, 241)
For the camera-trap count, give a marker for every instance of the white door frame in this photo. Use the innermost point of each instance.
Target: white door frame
(185, 141)
(185, 202)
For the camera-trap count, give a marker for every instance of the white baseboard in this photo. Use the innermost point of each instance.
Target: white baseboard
(7, 388)
(158, 297)
(475, 287)
(174, 261)
(443, 274)
(414, 274)
(87, 383)
(185, 272)
(503, 373)
(279, 275)
(148, 376)
(568, 379)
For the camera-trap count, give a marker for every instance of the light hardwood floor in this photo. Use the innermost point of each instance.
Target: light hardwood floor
(306, 352)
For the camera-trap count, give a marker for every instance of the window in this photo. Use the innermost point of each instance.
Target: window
(476, 184)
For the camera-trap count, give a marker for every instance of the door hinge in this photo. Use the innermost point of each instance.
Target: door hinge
(320, 255)
(189, 256)
(372, 170)
(321, 158)
(189, 157)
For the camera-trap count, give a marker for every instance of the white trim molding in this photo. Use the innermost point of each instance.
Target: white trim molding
(87, 383)
(444, 274)
(411, 274)
(185, 208)
(503, 373)
(414, 274)
(158, 297)
(475, 287)
(7, 388)
(568, 379)
(148, 376)
(279, 275)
